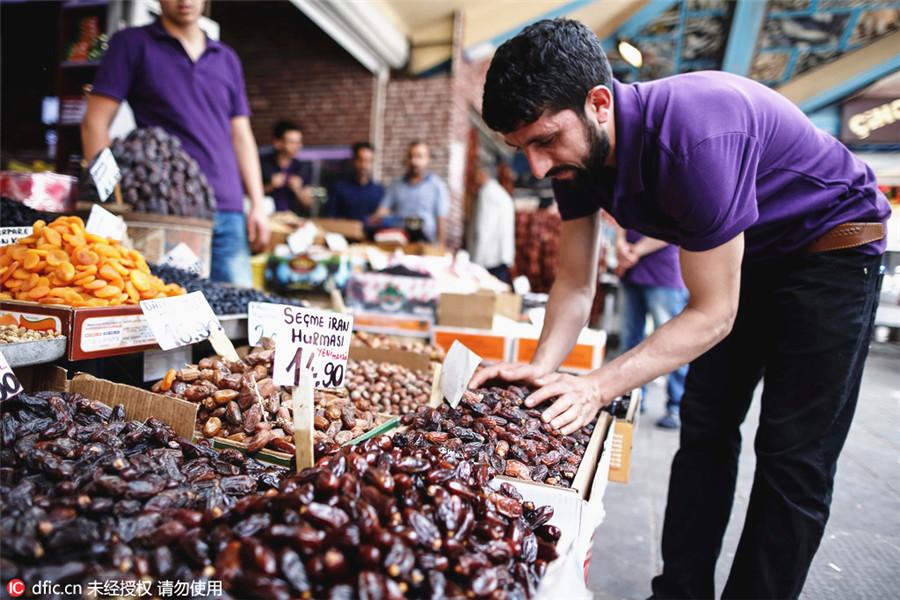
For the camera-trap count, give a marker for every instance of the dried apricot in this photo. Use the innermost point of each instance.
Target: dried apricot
(140, 281)
(32, 260)
(52, 236)
(86, 257)
(60, 262)
(65, 271)
(38, 292)
(96, 284)
(107, 292)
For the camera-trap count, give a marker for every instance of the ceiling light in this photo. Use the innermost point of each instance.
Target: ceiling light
(630, 53)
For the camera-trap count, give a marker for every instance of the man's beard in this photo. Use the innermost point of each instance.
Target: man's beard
(598, 152)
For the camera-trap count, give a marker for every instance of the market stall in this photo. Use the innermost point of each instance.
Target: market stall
(199, 477)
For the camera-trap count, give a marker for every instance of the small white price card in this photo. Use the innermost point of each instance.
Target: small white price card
(262, 321)
(105, 224)
(182, 257)
(180, 320)
(105, 173)
(9, 384)
(458, 367)
(313, 340)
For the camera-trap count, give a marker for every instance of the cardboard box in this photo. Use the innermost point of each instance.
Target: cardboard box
(419, 327)
(349, 228)
(139, 404)
(392, 294)
(622, 440)
(92, 332)
(586, 356)
(477, 310)
(483, 342)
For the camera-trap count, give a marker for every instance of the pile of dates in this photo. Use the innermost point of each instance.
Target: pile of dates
(86, 494)
(493, 426)
(159, 177)
(385, 519)
(387, 388)
(619, 406)
(380, 340)
(240, 402)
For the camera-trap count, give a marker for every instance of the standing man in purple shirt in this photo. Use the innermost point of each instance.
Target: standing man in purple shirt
(175, 77)
(781, 234)
(652, 285)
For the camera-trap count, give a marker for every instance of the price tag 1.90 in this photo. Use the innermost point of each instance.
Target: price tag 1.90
(105, 173)
(9, 384)
(312, 340)
(180, 320)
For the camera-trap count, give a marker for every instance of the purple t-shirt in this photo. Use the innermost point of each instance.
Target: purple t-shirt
(657, 269)
(194, 101)
(703, 156)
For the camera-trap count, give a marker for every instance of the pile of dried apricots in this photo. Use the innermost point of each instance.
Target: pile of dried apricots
(61, 263)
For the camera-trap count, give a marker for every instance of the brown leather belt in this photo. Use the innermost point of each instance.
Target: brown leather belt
(846, 235)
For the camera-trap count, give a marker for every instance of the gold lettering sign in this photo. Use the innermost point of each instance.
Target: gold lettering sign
(862, 124)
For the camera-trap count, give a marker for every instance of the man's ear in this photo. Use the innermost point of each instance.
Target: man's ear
(599, 103)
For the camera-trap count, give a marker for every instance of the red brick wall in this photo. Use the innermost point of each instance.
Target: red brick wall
(294, 70)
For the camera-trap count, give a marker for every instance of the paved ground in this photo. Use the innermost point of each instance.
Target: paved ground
(860, 552)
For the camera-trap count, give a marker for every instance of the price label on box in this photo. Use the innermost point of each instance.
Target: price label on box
(105, 173)
(9, 383)
(11, 235)
(180, 320)
(312, 340)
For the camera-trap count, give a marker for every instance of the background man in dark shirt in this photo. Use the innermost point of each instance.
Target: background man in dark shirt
(356, 196)
(285, 178)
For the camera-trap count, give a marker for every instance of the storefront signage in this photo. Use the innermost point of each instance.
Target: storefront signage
(871, 120)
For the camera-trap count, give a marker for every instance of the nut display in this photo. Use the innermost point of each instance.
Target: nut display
(86, 494)
(10, 334)
(61, 263)
(386, 388)
(380, 340)
(240, 402)
(223, 298)
(492, 426)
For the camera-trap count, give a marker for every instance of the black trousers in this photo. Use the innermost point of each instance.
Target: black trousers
(804, 324)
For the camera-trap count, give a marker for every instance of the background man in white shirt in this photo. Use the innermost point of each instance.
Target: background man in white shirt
(492, 237)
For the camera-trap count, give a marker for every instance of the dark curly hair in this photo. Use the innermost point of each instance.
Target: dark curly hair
(549, 66)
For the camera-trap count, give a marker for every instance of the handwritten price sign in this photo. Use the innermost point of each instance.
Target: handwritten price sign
(180, 320)
(312, 340)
